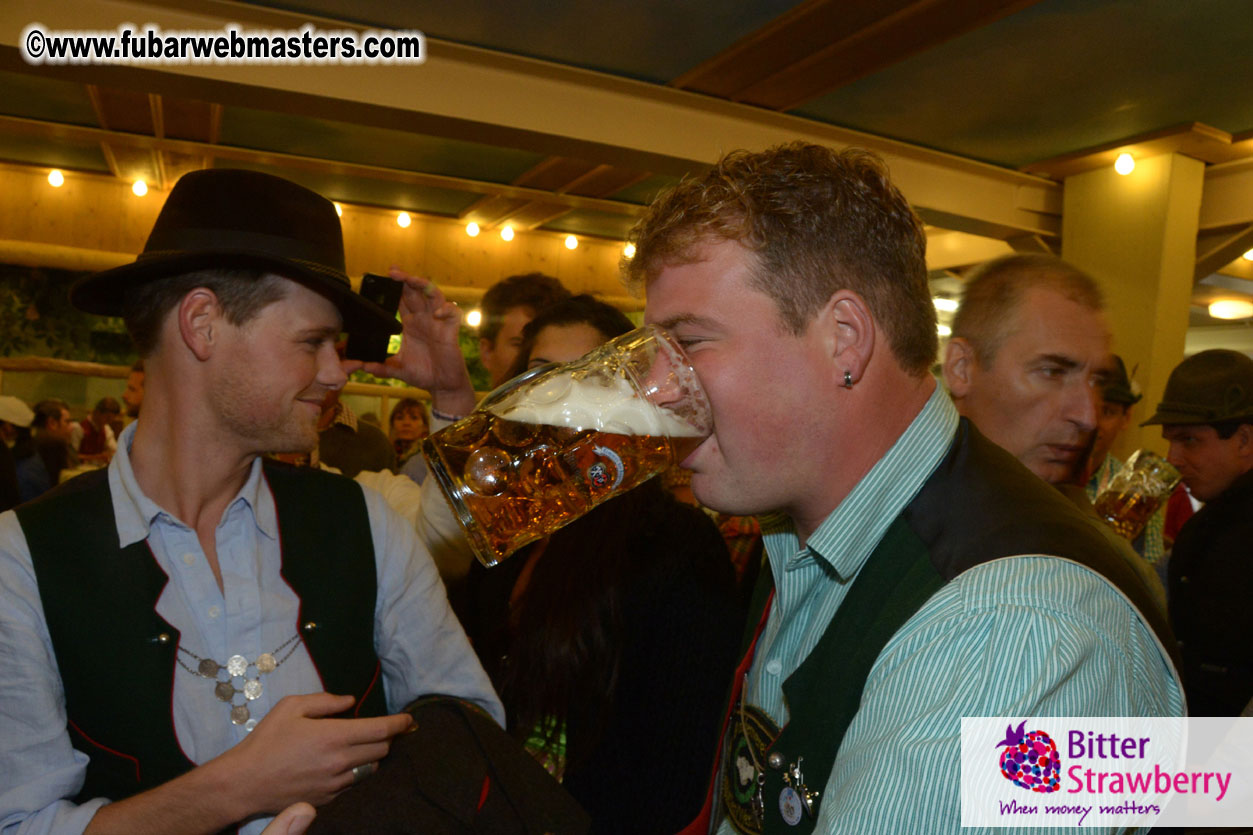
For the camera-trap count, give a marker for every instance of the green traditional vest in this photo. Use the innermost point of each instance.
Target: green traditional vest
(981, 504)
(116, 655)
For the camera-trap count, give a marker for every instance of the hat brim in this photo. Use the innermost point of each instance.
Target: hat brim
(1168, 417)
(103, 293)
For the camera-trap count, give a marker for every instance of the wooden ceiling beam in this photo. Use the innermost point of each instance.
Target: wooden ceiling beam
(158, 130)
(1192, 139)
(605, 181)
(470, 94)
(1213, 252)
(554, 173)
(535, 214)
(823, 45)
(792, 36)
(97, 108)
(564, 176)
(492, 210)
(1227, 198)
(57, 130)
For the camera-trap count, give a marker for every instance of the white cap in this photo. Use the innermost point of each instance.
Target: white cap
(14, 411)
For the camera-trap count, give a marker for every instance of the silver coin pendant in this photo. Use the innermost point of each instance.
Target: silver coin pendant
(237, 665)
(266, 663)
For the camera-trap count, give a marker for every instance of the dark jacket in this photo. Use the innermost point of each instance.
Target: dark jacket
(1210, 580)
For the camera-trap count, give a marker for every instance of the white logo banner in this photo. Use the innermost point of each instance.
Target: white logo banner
(1107, 771)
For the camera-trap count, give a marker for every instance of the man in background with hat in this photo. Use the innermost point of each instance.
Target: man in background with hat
(215, 637)
(1118, 395)
(1206, 415)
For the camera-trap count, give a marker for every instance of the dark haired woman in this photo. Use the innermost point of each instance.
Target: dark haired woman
(612, 643)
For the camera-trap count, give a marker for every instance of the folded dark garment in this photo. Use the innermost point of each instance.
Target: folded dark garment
(456, 773)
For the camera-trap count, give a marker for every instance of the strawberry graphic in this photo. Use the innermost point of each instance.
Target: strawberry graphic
(1030, 759)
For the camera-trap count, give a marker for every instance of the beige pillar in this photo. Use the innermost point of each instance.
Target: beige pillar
(1136, 235)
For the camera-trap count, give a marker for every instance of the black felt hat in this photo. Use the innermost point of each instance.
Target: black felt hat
(1210, 387)
(1119, 388)
(241, 219)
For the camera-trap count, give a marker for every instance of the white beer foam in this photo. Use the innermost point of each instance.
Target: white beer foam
(583, 403)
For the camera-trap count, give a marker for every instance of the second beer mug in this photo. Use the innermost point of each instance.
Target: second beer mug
(1136, 492)
(553, 443)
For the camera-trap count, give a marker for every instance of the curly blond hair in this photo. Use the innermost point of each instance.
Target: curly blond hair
(817, 221)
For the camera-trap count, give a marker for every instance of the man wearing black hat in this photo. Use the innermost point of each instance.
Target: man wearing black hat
(1206, 414)
(1118, 395)
(181, 647)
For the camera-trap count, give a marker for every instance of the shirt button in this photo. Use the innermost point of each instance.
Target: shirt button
(188, 559)
(774, 666)
(214, 611)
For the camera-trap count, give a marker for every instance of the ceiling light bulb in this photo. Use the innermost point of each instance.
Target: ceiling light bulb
(943, 330)
(1248, 256)
(55, 178)
(139, 187)
(472, 229)
(339, 210)
(572, 242)
(474, 317)
(404, 220)
(1231, 309)
(507, 233)
(946, 305)
(628, 251)
(1124, 164)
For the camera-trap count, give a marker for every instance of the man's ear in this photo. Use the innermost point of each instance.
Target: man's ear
(959, 366)
(1244, 437)
(850, 334)
(200, 322)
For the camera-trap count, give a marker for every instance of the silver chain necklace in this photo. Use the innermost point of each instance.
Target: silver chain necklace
(237, 667)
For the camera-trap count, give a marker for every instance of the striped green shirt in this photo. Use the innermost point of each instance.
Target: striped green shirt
(1022, 636)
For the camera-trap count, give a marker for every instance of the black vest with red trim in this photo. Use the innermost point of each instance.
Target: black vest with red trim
(979, 505)
(116, 655)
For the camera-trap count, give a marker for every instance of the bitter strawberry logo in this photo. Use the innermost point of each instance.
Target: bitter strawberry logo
(1030, 759)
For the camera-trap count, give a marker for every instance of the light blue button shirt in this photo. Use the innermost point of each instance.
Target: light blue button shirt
(418, 640)
(1022, 636)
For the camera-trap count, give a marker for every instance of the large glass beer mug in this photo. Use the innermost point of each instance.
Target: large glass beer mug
(551, 444)
(1136, 492)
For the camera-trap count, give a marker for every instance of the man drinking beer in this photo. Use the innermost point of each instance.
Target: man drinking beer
(1206, 415)
(796, 280)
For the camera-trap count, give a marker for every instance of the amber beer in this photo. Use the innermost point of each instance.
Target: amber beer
(1135, 493)
(1126, 511)
(522, 480)
(553, 444)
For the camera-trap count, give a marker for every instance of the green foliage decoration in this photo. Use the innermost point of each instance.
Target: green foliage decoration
(36, 319)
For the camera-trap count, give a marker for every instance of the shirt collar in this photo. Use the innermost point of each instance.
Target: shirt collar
(135, 512)
(847, 537)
